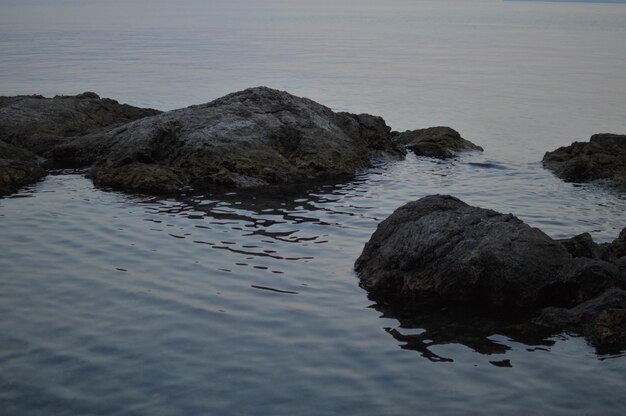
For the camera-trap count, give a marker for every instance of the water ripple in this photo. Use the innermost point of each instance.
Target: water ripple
(134, 304)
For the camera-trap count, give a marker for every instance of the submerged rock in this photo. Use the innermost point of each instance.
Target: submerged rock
(440, 251)
(603, 158)
(251, 138)
(438, 142)
(39, 124)
(602, 320)
(18, 167)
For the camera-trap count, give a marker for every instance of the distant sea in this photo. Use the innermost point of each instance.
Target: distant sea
(576, 1)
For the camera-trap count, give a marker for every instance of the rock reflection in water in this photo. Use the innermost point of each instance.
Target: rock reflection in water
(137, 313)
(426, 326)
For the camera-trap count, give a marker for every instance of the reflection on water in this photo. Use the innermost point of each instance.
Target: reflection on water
(421, 329)
(247, 302)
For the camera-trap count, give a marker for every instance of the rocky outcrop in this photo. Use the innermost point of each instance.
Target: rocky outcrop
(251, 138)
(437, 142)
(31, 125)
(39, 124)
(602, 320)
(616, 251)
(582, 245)
(442, 251)
(603, 158)
(18, 167)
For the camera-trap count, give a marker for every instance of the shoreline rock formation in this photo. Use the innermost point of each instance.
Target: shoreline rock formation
(18, 167)
(38, 124)
(31, 126)
(251, 138)
(601, 320)
(440, 251)
(438, 142)
(603, 159)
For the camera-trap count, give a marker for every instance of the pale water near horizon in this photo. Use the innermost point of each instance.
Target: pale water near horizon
(247, 303)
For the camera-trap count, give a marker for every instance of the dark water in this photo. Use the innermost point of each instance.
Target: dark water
(247, 304)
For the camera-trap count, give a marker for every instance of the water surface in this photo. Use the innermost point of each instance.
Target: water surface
(247, 303)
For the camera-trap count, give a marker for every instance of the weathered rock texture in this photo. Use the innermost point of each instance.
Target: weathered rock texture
(438, 142)
(439, 246)
(38, 124)
(616, 251)
(251, 138)
(18, 167)
(440, 250)
(582, 245)
(602, 320)
(603, 158)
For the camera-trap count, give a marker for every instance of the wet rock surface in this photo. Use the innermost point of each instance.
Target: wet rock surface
(251, 138)
(437, 142)
(39, 124)
(32, 126)
(602, 320)
(439, 246)
(603, 158)
(18, 167)
(441, 251)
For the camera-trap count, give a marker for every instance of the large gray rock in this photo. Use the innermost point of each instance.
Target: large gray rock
(603, 158)
(18, 167)
(38, 124)
(437, 142)
(251, 138)
(443, 249)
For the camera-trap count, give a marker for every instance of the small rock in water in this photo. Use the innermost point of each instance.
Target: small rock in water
(442, 251)
(437, 142)
(603, 158)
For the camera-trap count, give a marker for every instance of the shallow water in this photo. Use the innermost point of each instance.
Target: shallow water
(247, 303)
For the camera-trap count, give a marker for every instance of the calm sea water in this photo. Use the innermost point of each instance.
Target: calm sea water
(246, 303)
